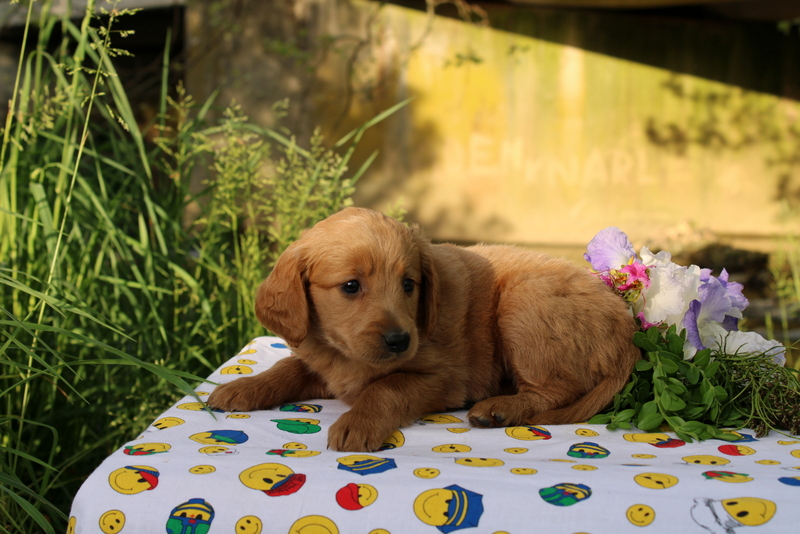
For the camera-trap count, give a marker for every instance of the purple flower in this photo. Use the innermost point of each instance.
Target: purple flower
(609, 249)
(717, 309)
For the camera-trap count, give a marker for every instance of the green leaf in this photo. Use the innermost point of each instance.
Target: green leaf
(625, 415)
(674, 343)
(702, 358)
(643, 365)
(669, 366)
(720, 393)
(643, 341)
(692, 374)
(650, 422)
(711, 369)
(648, 408)
(600, 419)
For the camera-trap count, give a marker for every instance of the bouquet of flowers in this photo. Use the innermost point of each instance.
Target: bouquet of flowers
(699, 371)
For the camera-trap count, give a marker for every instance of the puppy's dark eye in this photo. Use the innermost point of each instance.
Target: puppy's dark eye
(351, 287)
(408, 285)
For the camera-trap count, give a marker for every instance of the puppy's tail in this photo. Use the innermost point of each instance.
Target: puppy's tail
(585, 407)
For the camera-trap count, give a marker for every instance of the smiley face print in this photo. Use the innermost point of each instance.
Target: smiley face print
(705, 459)
(365, 464)
(565, 494)
(480, 462)
(168, 422)
(640, 515)
(220, 437)
(273, 479)
(133, 479)
(356, 496)
(655, 480)
(146, 449)
(528, 433)
(725, 515)
(112, 522)
(451, 448)
(451, 508)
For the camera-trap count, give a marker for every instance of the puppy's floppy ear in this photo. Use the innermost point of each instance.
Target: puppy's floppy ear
(281, 301)
(429, 298)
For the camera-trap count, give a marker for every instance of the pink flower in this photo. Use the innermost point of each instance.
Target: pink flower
(638, 277)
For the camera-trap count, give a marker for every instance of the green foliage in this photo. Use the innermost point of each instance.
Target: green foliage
(697, 398)
(110, 307)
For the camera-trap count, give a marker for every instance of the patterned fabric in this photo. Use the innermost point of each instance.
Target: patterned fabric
(270, 472)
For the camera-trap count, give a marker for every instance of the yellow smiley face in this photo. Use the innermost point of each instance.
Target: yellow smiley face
(452, 447)
(246, 352)
(768, 462)
(202, 469)
(112, 522)
(523, 471)
(249, 524)
(168, 422)
(788, 442)
(192, 406)
(705, 459)
(148, 448)
(458, 430)
(640, 515)
(264, 477)
(238, 416)
(528, 433)
(366, 494)
(795, 453)
(396, 439)
(236, 370)
(133, 479)
(655, 480)
(426, 472)
(245, 361)
(582, 467)
(645, 438)
(353, 459)
(440, 419)
(516, 450)
(294, 446)
(586, 432)
(480, 462)
(750, 511)
(295, 453)
(314, 524)
(432, 506)
(643, 456)
(213, 449)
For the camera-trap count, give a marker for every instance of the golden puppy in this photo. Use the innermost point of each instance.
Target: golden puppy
(397, 327)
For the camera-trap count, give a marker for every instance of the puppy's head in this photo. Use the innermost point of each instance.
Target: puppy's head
(358, 281)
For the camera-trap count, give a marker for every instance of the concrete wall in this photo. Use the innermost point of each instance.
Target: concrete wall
(543, 127)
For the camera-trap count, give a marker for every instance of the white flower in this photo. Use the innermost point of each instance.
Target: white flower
(672, 289)
(750, 343)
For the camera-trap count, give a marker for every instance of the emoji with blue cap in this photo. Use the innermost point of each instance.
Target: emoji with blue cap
(364, 464)
(220, 437)
(449, 509)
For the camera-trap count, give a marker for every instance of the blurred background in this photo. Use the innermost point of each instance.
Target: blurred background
(155, 163)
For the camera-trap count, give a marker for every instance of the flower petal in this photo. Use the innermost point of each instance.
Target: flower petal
(609, 249)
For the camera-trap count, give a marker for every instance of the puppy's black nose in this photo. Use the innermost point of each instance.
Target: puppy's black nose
(397, 340)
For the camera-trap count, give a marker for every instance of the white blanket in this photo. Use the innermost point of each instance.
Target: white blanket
(270, 472)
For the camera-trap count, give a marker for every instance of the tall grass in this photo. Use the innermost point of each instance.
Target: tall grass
(109, 306)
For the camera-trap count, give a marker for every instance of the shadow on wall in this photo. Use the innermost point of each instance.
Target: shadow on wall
(732, 119)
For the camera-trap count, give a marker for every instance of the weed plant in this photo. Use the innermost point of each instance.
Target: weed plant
(109, 306)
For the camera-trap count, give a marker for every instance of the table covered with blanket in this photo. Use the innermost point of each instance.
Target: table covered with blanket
(269, 472)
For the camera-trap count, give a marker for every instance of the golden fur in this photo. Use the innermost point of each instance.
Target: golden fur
(522, 337)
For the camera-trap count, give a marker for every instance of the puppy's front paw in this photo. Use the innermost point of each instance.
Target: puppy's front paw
(242, 395)
(495, 412)
(353, 433)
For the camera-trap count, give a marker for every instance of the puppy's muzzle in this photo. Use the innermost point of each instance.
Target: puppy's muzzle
(397, 341)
